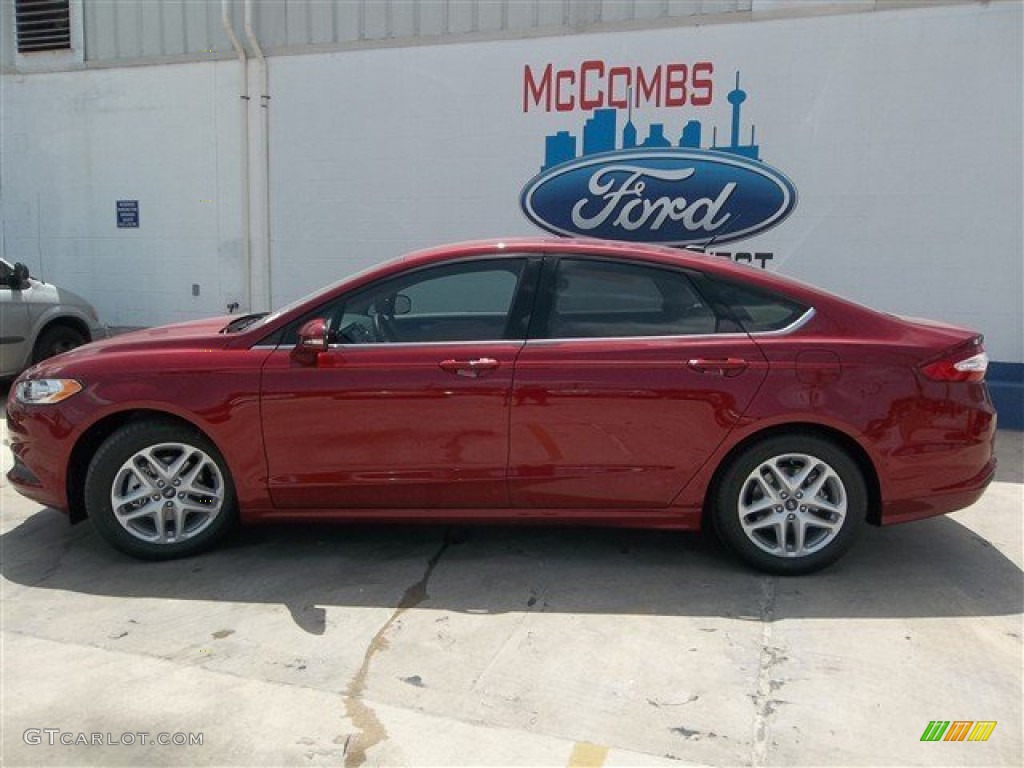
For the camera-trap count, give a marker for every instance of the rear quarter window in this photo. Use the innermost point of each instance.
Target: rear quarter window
(756, 309)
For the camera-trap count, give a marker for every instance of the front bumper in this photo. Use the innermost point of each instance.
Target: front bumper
(40, 461)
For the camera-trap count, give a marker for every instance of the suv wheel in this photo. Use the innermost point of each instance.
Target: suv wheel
(57, 339)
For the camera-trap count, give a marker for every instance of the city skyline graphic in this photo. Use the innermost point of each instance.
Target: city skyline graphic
(600, 134)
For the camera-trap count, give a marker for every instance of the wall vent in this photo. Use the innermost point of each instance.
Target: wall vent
(43, 25)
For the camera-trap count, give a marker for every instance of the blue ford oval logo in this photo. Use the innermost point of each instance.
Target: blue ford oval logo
(668, 196)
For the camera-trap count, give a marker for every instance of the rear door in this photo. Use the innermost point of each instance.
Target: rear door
(627, 384)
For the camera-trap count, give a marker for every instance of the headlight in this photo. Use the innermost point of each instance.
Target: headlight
(45, 391)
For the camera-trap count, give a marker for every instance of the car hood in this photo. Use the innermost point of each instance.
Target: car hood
(195, 334)
(179, 334)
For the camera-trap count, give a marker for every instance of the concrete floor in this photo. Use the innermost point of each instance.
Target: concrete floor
(378, 645)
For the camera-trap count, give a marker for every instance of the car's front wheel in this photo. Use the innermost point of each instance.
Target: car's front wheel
(158, 490)
(790, 504)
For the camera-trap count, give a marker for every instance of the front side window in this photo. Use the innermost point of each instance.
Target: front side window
(468, 301)
(603, 299)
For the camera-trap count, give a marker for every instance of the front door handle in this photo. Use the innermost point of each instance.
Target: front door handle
(727, 366)
(471, 369)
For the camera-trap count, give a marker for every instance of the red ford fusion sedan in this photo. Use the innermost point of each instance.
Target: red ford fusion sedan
(523, 380)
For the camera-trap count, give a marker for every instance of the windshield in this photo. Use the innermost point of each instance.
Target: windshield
(265, 319)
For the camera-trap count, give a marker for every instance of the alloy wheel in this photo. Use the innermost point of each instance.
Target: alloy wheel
(167, 493)
(792, 505)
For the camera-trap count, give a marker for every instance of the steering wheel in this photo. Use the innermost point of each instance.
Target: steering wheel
(384, 327)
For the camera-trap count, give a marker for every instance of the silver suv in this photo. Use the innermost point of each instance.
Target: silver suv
(39, 320)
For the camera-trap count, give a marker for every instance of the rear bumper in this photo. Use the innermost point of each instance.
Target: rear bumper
(959, 497)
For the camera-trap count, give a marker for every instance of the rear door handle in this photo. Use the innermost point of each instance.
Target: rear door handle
(471, 369)
(727, 366)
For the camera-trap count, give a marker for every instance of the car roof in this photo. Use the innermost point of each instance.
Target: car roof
(640, 252)
(720, 266)
(546, 244)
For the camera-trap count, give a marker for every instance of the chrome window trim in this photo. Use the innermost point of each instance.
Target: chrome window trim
(794, 326)
(800, 322)
(674, 337)
(406, 344)
(402, 344)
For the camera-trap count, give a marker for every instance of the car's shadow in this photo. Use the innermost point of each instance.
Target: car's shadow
(935, 568)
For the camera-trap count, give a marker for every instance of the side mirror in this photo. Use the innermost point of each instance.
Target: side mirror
(312, 341)
(19, 277)
(403, 304)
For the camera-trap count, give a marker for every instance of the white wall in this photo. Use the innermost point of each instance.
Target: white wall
(74, 143)
(902, 131)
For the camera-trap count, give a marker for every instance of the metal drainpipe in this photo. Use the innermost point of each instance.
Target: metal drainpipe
(264, 158)
(225, 20)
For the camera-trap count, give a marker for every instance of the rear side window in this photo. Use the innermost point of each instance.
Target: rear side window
(605, 299)
(757, 310)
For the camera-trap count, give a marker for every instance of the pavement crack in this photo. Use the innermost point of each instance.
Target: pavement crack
(766, 684)
(370, 730)
(58, 560)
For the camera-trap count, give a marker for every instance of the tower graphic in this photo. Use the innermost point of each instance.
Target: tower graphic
(599, 134)
(736, 97)
(629, 131)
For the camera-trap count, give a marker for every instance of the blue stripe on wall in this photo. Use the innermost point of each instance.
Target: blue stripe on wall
(1006, 384)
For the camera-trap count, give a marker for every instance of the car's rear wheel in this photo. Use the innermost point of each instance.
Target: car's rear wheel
(159, 490)
(55, 340)
(790, 504)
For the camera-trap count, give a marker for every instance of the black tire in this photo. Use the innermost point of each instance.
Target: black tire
(815, 531)
(186, 502)
(55, 340)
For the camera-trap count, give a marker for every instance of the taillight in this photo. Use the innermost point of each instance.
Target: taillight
(960, 364)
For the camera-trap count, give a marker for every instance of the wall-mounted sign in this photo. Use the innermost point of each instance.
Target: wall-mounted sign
(672, 197)
(127, 214)
(621, 186)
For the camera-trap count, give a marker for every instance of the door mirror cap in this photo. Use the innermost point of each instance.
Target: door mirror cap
(18, 278)
(312, 341)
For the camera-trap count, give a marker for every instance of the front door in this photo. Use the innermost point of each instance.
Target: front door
(409, 406)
